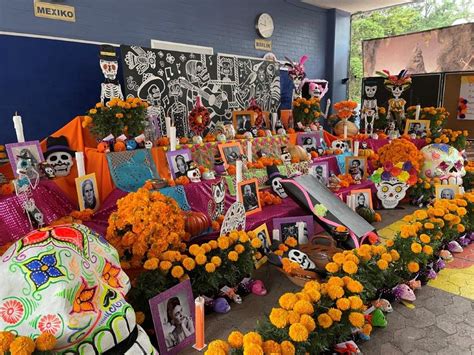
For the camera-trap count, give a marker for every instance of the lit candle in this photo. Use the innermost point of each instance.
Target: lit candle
(345, 130)
(302, 239)
(417, 114)
(356, 148)
(81, 170)
(199, 310)
(276, 234)
(172, 138)
(20, 137)
(168, 125)
(249, 151)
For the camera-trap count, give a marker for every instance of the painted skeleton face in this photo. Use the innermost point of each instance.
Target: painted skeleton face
(61, 162)
(397, 90)
(391, 192)
(218, 192)
(194, 175)
(370, 91)
(277, 188)
(109, 68)
(444, 162)
(337, 144)
(175, 88)
(154, 95)
(301, 258)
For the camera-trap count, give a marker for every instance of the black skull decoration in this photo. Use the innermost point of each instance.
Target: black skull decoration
(274, 178)
(59, 156)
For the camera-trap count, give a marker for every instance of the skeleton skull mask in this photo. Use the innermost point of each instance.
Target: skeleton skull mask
(391, 192)
(338, 144)
(277, 188)
(302, 259)
(193, 173)
(109, 68)
(444, 162)
(61, 162)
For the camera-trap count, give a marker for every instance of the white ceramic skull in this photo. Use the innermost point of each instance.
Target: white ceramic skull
(444, 162)
(285, 158)
(277, 188)
(148, 144)
(338, 144)
(370, 90)
(67, 281)
(301, 258)
(194, 174)
(391, 192)
(109, 68)
(61, 162)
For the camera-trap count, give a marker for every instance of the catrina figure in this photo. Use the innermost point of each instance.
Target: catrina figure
(110, 88)
(297, 74)
(397, 84)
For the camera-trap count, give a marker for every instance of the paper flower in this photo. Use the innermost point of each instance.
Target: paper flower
(320, 210)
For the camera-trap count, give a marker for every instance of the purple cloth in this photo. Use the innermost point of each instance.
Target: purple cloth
(48, 198)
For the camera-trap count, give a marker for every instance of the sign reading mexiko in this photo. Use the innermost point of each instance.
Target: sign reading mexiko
(54, 11)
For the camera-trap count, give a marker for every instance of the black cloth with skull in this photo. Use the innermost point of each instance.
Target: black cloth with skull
(59, 156)
(274, 178)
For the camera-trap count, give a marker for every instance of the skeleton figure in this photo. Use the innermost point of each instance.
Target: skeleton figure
(369, 111)
(178, 111)
(151, 90)
(35, 216)
(391, 192)
(297, 73)
(193, 172)
(397, 84)
(110, 88)
(444, 162)
(217, 205)
(302, 259)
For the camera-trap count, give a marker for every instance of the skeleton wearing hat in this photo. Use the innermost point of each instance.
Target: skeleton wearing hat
(297, 73)
(369, 110)
(274, 178)
(110, 88)
(59, 156)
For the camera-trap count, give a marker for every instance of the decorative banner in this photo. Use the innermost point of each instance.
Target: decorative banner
(54, 11)
(172, 80)
(466, 98)
(431, 51)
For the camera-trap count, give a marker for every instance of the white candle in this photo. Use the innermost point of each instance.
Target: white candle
(276, 234)
(302, 239)
(356, 148)
(348, 201)
(353, 199)
(417, 114)
(249, 151)
(274, 120)
(172, 138)
(81, 170)
(199, 324)
(345, 130)
(328, 105)
(168, 125)
(239, 171)
(17, 123)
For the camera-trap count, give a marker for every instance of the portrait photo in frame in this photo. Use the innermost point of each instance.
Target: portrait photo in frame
(87, 192)
(320, 170)
(178, 162)
(30, 149)
(363, 198)
(447, 192)
(173, 316)
(288, 227)
(420, 128)
(230, 152)
(309, 141)
(356, 167)
(262, 233)
(243, 121)
(248, 194)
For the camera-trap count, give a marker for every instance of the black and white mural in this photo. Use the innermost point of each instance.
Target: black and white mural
(170, 81)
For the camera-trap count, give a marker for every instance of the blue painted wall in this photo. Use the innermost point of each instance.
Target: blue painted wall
(226, 25)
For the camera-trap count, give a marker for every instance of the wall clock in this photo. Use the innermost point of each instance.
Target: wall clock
(265, 25)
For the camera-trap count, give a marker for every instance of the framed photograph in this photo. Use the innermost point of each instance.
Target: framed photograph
(29, 149)
(87, 192)
(243, 121)
(248, 195)
(178, 162)
(309, 141)
(447, 192)
(320, 171)
(363, 198)
(173, 318)
(356, 167)
(420, 128)
(288, 227)
(230, 152)
(264, 236)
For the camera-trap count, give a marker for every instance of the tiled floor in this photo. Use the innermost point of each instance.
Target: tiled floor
(442, 321)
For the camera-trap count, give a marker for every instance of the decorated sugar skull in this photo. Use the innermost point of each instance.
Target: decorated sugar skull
(338, 144)
(285, 155)
(391, 192)
(59, 156)
(302, 259)
(444, 162)
(193, 172)
(68, 281)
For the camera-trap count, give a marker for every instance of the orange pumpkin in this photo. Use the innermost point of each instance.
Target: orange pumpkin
(352, 129)
(102, 147)
(196, 223)
(366, 152)
(120, 146)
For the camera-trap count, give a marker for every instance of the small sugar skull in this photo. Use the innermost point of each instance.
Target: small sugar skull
(285, 156)
(391, 192)
(302, 259)
(277, 188)
(338, 144)
(444, 162)
(193, 172)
